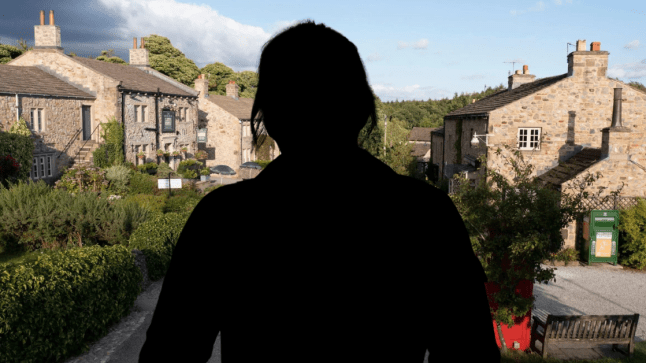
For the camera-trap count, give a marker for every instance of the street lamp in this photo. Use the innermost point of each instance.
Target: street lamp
(474, 141)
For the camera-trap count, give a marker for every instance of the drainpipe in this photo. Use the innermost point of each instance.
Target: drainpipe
(157, 121)
(17, 110)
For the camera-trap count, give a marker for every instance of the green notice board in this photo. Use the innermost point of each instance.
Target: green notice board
(602, 242)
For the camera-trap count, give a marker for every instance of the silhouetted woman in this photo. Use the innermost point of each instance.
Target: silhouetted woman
(327, 255)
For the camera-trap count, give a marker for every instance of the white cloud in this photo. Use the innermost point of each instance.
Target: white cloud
(421, 44)
(540, 6)
(557, 2)
(628, 70)
(373, 57)
(198, 31)
(632, 45)
(387, 92)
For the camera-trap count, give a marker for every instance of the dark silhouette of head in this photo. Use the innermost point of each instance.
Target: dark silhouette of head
(313, 93)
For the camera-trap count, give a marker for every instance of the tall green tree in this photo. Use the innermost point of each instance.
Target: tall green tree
(521, 229)
(218, 75)
(9, 52)
(109, 57)
(166, 59)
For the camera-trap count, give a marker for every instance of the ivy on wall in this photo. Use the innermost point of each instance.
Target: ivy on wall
(458, 142)
(112, 133)
(262, 153)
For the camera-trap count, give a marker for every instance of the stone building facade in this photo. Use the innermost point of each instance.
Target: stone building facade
(53, 111)
(227, 120)
(421, 138)
(562, 125)
(157, 111)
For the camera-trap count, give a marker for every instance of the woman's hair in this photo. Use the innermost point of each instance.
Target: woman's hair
(312, 75)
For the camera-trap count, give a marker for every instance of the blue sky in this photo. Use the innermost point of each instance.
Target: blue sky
(412, 50)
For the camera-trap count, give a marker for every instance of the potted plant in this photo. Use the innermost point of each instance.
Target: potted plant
(175, 153)
(141, 155)
(201, 154)
(160, 152)
(184, 149)
(205, 174)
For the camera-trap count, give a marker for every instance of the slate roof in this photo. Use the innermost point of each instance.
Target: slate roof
(240, 108)
(420, 134)
(132, 77)
(33, 80)
(570, 168)
(505, 97)
(419, 150)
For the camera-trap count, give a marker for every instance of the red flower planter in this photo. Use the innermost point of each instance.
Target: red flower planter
(521, 332)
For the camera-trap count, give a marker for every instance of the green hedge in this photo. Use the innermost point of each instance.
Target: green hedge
(141, 183)
(157, 239)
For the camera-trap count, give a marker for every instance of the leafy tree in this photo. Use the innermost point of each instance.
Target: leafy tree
(108, 56)
(9, 52)
(219, 76)
(166, 59)
(524, 230)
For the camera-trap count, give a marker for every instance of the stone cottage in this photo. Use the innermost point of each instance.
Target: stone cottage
(54, 111)
(157, 111)
(566, 126)
(421, 138)
(227, 120)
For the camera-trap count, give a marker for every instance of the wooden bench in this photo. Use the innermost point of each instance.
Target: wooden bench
(597, 329)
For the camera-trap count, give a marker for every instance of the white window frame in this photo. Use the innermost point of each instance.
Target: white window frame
(40, 112)
(43, 166)
(136, 113)
(144, 113)
(527, 136)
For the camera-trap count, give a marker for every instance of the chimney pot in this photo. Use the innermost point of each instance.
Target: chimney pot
(42, 17)
(580, 45)
(595, 46)
(525, 70)
(142, 43)
(616, 109)
(51, 17)
(134, 43)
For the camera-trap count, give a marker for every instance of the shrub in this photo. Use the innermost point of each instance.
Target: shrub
(632, 237)
(154, 203)
(9, 169)
(119, 176)
(113, 136)
(142, 184)
(80, 178)
(157, 239)
(100, 156)
(34, 216)
(18, 143)
(188, 168)
(163, 169)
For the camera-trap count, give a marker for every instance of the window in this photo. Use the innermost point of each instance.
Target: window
(144, 148)
(43, 167)
(136, 113)
(37, 122)
(168, 121)
(529, 138)
(144, 113)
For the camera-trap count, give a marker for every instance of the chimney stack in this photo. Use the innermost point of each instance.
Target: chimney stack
(473, 101)
(47, 36)
(139, 57)
(202, 86)
(232, 90)
(615, 140)
(587, 64)
(517, 79)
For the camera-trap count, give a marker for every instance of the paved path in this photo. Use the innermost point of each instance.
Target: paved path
(125, 339)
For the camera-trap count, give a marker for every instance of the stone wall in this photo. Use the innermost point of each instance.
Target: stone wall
(64, 67)
(137, 136)
(62, 118)
(223, 136)
(437, 147)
